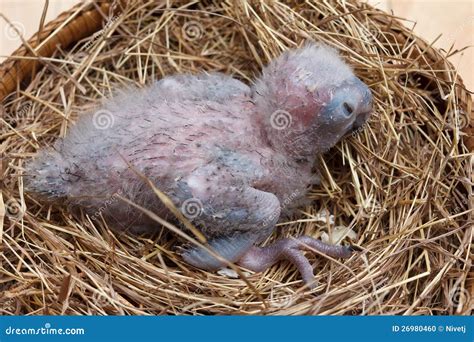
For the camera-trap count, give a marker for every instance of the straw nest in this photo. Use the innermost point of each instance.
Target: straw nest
(400, 188)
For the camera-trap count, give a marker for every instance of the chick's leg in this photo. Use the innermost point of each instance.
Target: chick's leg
(233, 219)
(260, 258)
(230, 248)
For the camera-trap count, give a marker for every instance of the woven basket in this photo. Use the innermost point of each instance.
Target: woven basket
(82, 21)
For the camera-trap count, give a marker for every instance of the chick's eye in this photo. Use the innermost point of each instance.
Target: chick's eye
(348, 108)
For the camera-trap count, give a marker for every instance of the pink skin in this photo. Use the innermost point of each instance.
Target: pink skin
(215, 141)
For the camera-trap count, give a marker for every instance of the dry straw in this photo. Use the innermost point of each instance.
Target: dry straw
(402, 184)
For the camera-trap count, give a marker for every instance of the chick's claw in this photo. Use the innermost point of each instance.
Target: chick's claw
(258, 259)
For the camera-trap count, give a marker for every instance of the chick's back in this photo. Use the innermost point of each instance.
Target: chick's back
(166, 132)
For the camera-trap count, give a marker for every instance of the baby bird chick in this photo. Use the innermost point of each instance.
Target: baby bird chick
(235, 159)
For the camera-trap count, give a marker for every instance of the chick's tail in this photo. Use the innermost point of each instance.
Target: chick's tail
(48, 175)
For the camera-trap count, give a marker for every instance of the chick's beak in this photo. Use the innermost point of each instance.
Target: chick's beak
(361, 103)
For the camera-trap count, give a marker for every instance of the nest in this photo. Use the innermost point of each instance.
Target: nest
(400, 188)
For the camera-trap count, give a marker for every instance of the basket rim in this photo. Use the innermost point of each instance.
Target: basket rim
(80, 21)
